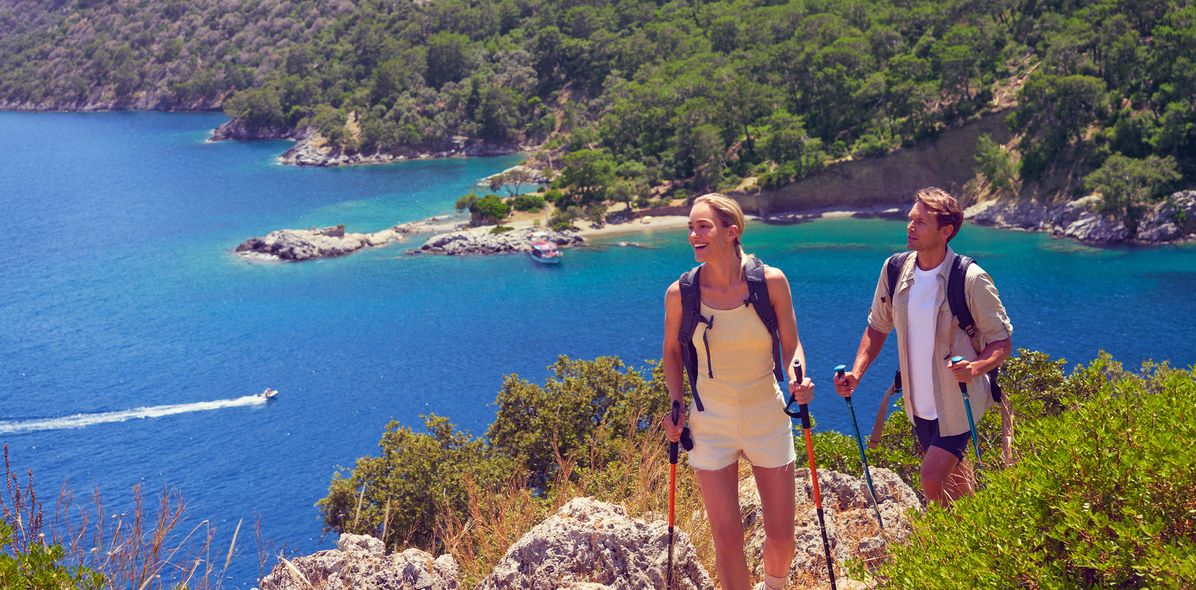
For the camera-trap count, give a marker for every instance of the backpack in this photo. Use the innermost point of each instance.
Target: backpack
(691, 316)
(957, 300)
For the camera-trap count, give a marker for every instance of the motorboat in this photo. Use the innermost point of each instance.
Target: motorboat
(545, 252)
(269, 394)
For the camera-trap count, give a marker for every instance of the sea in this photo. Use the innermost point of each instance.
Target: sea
(133, 340)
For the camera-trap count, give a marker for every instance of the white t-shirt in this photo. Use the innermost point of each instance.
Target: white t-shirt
(923, 312)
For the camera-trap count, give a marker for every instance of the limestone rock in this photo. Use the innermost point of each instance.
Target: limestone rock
(1096, 227)
(294, 245)
(236, 129)
(361, 562)
(1171, 220)
(592, 545)
(481, 241)
(851, 524)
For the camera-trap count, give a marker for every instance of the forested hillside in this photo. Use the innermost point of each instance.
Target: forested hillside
(637, 92)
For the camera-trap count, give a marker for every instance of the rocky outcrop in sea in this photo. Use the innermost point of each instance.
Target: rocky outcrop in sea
(481, 240)
(295, 245)
(1171, 220)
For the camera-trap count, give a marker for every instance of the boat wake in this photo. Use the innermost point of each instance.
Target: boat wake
(85, 420)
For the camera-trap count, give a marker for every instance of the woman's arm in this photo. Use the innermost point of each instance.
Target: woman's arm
(791, 347)
(670, 356)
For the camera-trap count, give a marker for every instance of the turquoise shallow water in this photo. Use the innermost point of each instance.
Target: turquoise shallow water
(118, 291)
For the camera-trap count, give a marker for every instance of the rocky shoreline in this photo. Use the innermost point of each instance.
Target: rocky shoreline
(311, 149)
(296, 245)
(1171, 220)
(592, 545)
(482, 240)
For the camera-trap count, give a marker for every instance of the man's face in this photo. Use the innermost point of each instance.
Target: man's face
(922, 233)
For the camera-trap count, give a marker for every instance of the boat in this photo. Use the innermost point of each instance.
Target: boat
(545, 252)
(269, 394)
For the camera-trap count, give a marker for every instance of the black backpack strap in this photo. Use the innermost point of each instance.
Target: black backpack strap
(957, 298)
(758, 297)
(691, 305)
(893, 268)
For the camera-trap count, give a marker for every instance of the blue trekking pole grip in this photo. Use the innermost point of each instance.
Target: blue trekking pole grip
(967, 404)
(859, 441)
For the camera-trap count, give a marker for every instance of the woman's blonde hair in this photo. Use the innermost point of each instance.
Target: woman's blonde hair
(728, 212)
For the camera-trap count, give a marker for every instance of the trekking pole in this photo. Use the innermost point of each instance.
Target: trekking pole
(672, 492)
(967, 404)
(839, 370)
(803, 412)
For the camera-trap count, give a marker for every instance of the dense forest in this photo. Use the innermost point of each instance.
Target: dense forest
(638, 92)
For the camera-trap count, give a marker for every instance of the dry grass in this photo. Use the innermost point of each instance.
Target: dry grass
(637, 479)
(141, 548)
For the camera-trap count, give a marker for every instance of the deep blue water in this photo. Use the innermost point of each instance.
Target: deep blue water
(118, 290)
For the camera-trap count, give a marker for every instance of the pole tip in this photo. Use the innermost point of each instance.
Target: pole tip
(956, 359)
(840, 369)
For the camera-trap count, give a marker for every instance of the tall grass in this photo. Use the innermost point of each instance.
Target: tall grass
(638, 480)
(143, 547)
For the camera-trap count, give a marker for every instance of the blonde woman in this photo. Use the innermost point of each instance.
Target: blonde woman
(729, 323)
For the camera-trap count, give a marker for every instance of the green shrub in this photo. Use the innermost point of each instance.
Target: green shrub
(562, 219)
(488, 210)
(398, 495)
(994, 163)
(501, 229)
(40, 566)
(528, 203)
(1100, 498)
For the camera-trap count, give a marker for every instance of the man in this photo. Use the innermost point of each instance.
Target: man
(929, 336)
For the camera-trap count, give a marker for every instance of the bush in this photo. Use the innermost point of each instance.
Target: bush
(994, 163)
(420, 481)
(1127, 183)
(528, 203)
(489, 210)
(40, 565)
(398, 495)
(1101, 497)
(562, 219)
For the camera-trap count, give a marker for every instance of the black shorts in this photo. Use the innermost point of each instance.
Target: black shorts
(927, 432)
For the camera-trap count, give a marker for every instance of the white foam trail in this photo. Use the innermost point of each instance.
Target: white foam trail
(84, 420)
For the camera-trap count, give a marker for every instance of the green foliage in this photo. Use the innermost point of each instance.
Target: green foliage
(995, 164)
(1100, 498)
(40, 566)
(587, 174)
(563, 218)
(488, 210)
(398, 495)
(528, 202)
(259, 108)
(701, 94)
(501, 229)
(466, 201)
(419, 478)
(1126, 184)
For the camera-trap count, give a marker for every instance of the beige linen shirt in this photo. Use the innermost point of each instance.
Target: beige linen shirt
(992, 324)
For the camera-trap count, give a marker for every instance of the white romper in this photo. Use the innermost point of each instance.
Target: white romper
(744, 407)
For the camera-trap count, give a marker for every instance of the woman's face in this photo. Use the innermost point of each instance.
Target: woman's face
(707, 236)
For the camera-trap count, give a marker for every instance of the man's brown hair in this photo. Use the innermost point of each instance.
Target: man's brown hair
(944, 207)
